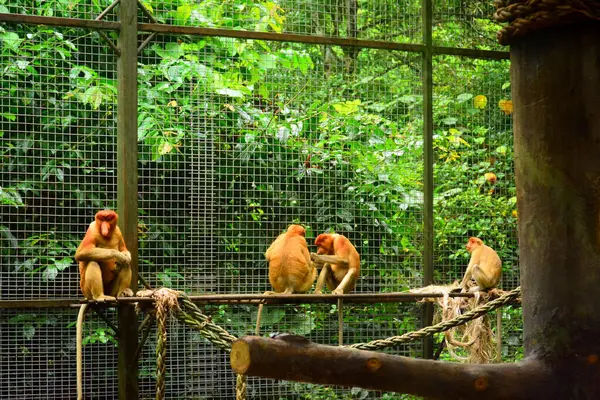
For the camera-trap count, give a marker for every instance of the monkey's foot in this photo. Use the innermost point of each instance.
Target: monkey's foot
(474, 289)
(318, 292)
(268, 293)
(338, 291)
(126, 293)
(144, 293)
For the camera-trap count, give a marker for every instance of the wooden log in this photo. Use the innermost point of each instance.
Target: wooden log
(294, 358)
(321, 259)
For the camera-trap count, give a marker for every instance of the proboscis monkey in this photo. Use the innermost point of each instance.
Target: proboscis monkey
(290, 267)
(485, 266)
(104, 268)
(339, 279)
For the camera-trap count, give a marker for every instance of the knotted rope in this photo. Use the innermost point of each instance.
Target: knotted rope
(442, 326)
(526, 16)
(191, 315)
(165, 302)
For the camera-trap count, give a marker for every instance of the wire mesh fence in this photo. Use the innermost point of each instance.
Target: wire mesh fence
(237, 139)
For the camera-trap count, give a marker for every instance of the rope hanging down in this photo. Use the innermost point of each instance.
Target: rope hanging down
(191, 315)
(526, 16)
(442, 326)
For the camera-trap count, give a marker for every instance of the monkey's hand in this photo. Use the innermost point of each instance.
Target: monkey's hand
(338, 291)
(123, 257)
(318, 292)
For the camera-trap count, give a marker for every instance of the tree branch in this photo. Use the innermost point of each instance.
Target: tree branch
(294, 358)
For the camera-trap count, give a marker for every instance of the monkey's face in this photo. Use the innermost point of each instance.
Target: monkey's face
(473, 243)
(324, 243)
(106, 221)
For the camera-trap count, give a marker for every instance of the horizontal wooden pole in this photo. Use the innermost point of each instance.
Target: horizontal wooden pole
(357, 298)
(58, 21)
(279, 37)
(294, 358)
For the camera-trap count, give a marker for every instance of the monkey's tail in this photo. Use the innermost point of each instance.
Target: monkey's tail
(80, 317)
(258, 316)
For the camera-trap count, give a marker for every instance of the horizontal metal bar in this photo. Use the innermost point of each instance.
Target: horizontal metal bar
(473, 53)
(279, 37)
(244, 299)
(57, 21)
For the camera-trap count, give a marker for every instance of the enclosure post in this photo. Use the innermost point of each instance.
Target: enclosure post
(127, 182)
(427, 17)
(555, 76)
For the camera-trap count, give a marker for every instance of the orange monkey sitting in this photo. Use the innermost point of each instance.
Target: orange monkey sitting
(104, 260)
(104, 268)
(485, 266)
(290, 267)
(339, 279)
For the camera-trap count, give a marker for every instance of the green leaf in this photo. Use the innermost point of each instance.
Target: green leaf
(464, 97)
(230, 92)
(63, 264)
(450, 121)
(9, 116)
(50, 273)
(11, 40)
(182, 15)
(28, 331)
(502, 150)
(267, 61)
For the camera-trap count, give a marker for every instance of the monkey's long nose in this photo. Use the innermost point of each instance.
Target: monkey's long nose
(105, 228)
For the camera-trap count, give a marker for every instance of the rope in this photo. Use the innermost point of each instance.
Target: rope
(240, 387)
(526, 16)
(191, 315)
(165, 302)
(442, 326)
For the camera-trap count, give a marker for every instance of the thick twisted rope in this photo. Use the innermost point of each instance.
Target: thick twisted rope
(525, 16)
(191, 315)
(442, 326)
(166, 300)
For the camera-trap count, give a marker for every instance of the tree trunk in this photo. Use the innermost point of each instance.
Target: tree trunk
(556, 90)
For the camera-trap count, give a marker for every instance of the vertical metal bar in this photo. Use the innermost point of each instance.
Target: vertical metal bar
(499, 334)
(340, 307)
(427, 17)
(127, 183)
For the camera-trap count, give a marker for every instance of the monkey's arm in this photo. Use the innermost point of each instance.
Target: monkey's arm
(348, 278)
(469, 272)
(87, 251)
(322, 278)
(123, 248)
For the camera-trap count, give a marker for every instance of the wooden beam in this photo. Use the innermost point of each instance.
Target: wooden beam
(58, 21)
(127, 190)
(294, 358)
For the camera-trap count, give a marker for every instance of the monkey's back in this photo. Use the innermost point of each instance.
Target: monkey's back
(289, 264)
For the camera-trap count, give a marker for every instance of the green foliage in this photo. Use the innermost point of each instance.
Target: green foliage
(281, 135)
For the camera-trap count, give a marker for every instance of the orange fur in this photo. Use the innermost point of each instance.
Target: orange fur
(104, 246)
(485, 266)
(290, 267)
(339, 246)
